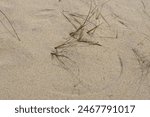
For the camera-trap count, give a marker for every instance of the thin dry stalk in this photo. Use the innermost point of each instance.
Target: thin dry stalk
(144, 66)
(78, 36)
(5, 16)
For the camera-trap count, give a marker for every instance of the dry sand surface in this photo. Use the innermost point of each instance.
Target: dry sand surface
(74, 49)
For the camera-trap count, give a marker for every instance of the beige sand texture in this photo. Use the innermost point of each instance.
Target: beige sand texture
(75, 49)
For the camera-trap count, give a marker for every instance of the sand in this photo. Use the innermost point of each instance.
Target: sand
(117, 68)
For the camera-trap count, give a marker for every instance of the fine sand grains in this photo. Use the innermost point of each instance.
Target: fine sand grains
(74, 49)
